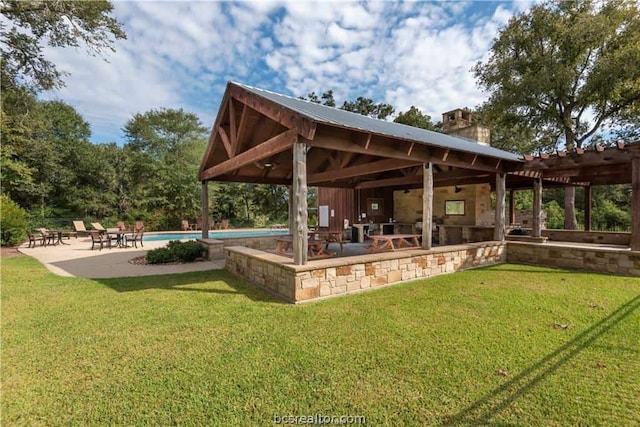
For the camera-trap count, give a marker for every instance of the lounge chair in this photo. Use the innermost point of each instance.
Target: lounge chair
(80, 229)
(97, 226)
(99, 238)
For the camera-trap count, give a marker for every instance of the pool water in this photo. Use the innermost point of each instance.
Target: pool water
(212, 235)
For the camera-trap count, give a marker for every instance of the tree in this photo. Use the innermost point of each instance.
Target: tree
(31, 23)
(367, 107)
(416, 118)
(566, 69)
(164, 149)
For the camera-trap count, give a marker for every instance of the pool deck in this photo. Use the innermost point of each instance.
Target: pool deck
(75, 258)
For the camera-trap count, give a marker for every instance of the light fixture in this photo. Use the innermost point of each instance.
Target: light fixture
(457, 189)
(406, 191)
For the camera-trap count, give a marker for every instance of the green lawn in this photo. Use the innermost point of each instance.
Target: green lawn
(506, 345)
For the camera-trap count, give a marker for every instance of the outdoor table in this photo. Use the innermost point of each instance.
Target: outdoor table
(60, 234)
(394, 242)
(121, 237)
(315, 247)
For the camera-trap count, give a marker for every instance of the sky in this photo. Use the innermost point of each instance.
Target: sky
(182, 54)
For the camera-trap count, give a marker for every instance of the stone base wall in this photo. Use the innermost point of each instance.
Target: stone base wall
(330, 277)
(601, 237)
(216, 246)
(601, 260)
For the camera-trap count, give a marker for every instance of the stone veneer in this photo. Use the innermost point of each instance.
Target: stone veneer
(216, 246)
(601, 260)
(336, 276)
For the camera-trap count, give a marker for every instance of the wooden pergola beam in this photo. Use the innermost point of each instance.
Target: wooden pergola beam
(266, 149)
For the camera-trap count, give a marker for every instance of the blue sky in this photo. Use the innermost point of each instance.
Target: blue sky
(181, 54)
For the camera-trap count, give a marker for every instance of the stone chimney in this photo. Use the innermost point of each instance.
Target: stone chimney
(460, 122)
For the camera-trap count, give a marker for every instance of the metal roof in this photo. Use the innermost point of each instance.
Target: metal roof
(346, 119)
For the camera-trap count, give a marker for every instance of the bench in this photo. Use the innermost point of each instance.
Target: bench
(394, 242)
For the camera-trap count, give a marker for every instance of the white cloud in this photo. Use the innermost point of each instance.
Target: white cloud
(180, 54)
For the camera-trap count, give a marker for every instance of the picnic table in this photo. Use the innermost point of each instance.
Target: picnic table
(315, 247)
(329, 237)
(394, 242)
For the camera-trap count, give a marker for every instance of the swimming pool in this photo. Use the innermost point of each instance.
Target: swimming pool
(155, 237)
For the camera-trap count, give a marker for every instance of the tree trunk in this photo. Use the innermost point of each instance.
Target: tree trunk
(570, 222)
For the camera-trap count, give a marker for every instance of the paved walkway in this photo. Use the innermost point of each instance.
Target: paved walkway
(77, 259)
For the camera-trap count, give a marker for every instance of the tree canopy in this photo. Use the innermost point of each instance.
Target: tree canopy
(562, 70)
(32, 23)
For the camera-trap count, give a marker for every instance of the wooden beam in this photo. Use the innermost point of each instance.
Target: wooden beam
(427, 205)
(421, 153)
(205, 209)
(635, 205)
(300, 231)
(587, 208)
(261, 151)
(286, 117)
(225, 141)
(537, 208)
(498, 231)
(241, 129)
(512, 207)
(358, 170)
(232, 123)
(390, 182)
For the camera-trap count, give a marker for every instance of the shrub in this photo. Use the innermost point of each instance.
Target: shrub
(188, 251)
(176, 251)
(160, 256)
(13, 222)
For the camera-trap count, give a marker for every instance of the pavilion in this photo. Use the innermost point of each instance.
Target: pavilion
(267, 138)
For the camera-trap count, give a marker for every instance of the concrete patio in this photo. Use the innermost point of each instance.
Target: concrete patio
(76, 258)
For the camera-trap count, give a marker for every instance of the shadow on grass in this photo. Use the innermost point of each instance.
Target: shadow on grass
(481, 411)
(199, 281)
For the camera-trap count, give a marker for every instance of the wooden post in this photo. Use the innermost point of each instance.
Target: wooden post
(290, 206)
(587, 208)
(512, 207)
(300, 232)
(635, 204)
(205, 209)
(427, 204)
(537, 207)
(501, 181)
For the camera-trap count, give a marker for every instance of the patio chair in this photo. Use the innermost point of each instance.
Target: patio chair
(98, 238)
(34, 238)
(139, 226)
(185, 225)
(224, 224)
(136, 237)
(48, 238)
(80, 229)
(122, 226)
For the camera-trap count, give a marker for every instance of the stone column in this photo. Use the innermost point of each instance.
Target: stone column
(205, 209)
(427, 204)
(501, 182)
(300, 231)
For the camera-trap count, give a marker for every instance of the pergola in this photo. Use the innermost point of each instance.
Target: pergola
(267, 138)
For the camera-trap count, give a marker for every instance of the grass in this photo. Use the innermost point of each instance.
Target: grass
(506, 345)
